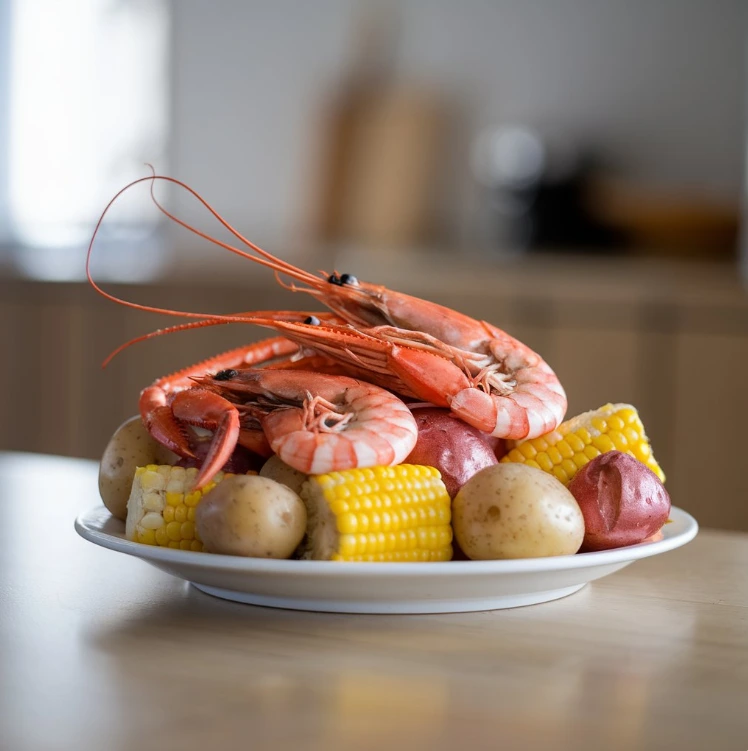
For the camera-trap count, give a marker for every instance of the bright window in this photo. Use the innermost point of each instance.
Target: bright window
(88, 107)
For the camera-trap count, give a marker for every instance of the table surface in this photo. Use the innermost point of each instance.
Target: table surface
(101, 651)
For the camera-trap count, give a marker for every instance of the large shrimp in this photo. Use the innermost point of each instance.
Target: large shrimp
(485, 376)
(314, 422)
(507, 390)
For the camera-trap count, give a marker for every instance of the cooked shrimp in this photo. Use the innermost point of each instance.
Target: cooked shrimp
(316, 423)
(485, 376)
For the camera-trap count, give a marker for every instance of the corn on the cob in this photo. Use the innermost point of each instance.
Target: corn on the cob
(399, 513)
(565, 450)
(161, 508)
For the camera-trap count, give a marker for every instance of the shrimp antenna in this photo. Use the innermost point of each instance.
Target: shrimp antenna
(273, 264)
(266, 259)
(213, 321)
(162, 332)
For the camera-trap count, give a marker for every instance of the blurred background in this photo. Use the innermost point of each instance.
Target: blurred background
(570, 170)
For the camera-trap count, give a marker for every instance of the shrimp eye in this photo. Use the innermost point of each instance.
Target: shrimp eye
(349, 279)
(225, 375)
(334, 279)
(312, 321)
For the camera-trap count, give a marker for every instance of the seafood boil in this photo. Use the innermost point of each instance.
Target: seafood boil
(418, 348)
(336, 390)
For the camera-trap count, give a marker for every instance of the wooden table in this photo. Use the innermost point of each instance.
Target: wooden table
(100, 652)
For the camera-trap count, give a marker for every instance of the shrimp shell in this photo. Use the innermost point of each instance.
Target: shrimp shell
(319, 423)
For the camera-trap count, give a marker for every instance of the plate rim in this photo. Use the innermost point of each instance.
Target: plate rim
(682, 529)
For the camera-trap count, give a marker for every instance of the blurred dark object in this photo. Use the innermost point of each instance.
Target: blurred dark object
(556, 197)
(382, 142)
(665, 222)
(537, 193)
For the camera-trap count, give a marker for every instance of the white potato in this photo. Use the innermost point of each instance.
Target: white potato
(251, 516)
(276, 469)
(515, 511)
(131, 446)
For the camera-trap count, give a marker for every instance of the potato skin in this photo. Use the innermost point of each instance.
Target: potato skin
(514, 511)
(622, 500)
(276, 469)
(129, 447)
(455, 448)
(251, 516)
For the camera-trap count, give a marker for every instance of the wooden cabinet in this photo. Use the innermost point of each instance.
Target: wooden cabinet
(709, 425)
(681, 358)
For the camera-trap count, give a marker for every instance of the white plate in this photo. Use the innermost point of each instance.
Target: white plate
(456, 586)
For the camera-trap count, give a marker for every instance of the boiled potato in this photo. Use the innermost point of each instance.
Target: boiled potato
(276, 469)
(515, 511)
(623, 502)
(131, 446)
(456, 449)
(251, 516)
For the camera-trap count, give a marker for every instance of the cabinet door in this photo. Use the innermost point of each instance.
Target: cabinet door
(709, 476)
(596, 366)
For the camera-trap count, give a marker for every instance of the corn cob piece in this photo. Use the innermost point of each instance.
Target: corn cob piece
(565, 450)
(161, 508)
(399, 513)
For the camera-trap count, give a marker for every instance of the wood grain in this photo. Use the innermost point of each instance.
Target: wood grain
(101, 651)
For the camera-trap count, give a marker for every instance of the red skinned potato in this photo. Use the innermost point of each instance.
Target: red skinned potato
(455, 448)
(623, 502)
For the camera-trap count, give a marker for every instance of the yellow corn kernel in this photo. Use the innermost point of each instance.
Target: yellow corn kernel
(564, 451)
(147, 536)
(603, 443)
(554, 455)
(615, 422)
(544, 461)
(396, 513)
(584, 435)
(580, 459)
(528, 450)
(591, 452)
(643, 452)
(619, 440)
(192, 499)
(174, 498)
(628, 415)
(574, 442)
(542, 444)
(569, 467)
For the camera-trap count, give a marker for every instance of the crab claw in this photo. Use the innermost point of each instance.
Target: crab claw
(159, 421)
(209, 410)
